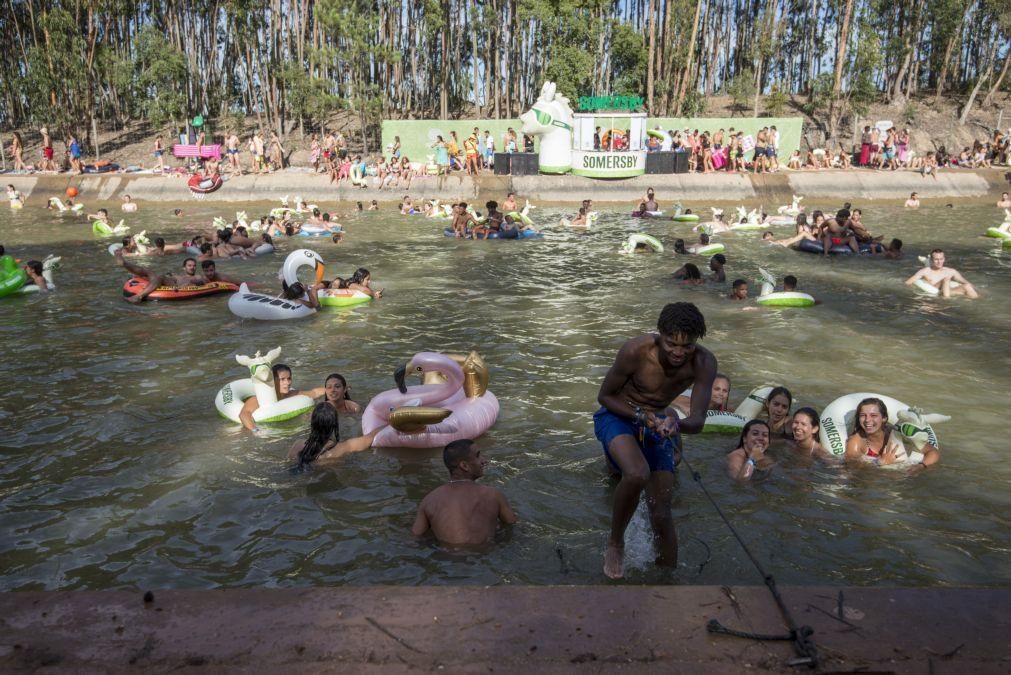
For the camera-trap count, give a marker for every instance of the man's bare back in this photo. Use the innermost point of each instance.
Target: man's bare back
(464, 513)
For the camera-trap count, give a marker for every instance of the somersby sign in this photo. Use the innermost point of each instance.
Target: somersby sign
(608, 164)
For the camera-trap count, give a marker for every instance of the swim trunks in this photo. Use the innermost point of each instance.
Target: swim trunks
(661, 454)
(47, 152)
(836, 241)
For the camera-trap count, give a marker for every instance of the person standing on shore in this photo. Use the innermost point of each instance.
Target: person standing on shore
(257, 147)
(232, 150)
(640, 432)
(276, 152)
(159, 152)
(17, 152)
(47, 151)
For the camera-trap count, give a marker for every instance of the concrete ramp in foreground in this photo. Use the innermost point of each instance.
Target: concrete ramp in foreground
(504, 629)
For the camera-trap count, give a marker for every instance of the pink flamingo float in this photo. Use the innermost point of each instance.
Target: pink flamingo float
(453, 403)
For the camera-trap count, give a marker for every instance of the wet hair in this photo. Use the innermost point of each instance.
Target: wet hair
(882, 408)
(491, 206)
(326, 217)
(159, 242)
(842, 215)
(127, 241)
(692, 272)
(937, 250)
(267, 239)
(224, 235)
(811, 414)
(802, 219)
(289, 230)
(359, 276)
(779, 391)
(205, 247)
(276, 371)
(768, 236)
(241, 230)
(186, 260)
(720, 258)
(362, 206)
(895, 245)
(747, 428)
(456, 452)
(682, 318)
(293, 292)
(679, 246)
(323, 428)
(738, 283)
(703, 238)
(207, 264)
(35, 266)
(789, 281)
(344, 383)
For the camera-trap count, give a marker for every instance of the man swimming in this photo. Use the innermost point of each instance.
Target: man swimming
(913, 202)
(461, 512)
(1005, 201)
(738, 290)
(189, 277)
(639, 430)
(943, 278)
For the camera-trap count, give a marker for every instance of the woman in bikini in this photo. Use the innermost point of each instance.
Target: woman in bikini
(874, 440)
(749, 455)
(805, 435)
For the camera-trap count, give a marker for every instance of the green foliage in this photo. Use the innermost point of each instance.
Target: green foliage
(628, 59)
(741, 89)
(307, 96)
(570, 68)
(775, 102)
(56, 78)
(693, 104)
(911, 113)
(821, 95)
(161, 77)
(864, 62)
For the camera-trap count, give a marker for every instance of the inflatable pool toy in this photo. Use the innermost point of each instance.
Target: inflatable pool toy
(768, 297)
(140, 240)
(925, 287)
(646, 214)
(135, 285)
(591, 218)
(776, 221)
(50, 263)
(725, 422)
(911, 424)
(1006, 245)
(103, 230)
(656, 133)
(708, 249)
(342, 298)
(318, 230)
(248, 305)
(634, 241)
(264, 249)
(1002, 231)
(12, 276)
(202, 185)
(62, 208)
(686, 218)
(71, 192)
(550, 118)
(793, 209)
(811, 246)
(260, 383)
(454, 404)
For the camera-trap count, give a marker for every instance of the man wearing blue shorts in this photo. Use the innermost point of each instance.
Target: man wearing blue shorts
(640, 431)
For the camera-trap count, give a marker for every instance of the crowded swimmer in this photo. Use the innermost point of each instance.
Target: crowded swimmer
(719, 399)
(738, 290)
(461, 512)
(188, 277)
(360, 280)
(323, 445)
(875, 440)
(805, 428)
(128, 205)
(282, 377)
(776, 412)
(749, 457)
(947, 280)
(1005, 201)
(640, 432)
(14, 197)
(913, 202)
(337, 393)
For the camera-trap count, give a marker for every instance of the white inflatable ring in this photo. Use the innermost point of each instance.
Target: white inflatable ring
(264, 249)
(248, 305)
(926, 287)
(997, 233)
(231, 397)
(837, 420)
(724, 422)
(634, 240)
(710, 249)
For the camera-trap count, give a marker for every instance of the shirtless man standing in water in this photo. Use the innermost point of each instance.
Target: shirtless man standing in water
(461, 512)
(941, 277)
(639, 430)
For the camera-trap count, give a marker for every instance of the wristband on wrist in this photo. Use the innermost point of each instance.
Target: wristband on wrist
(750, 461)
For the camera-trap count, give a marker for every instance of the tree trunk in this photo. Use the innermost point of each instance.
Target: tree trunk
(945, 65)
(686, 73)
(651, 57)
(1000, 80)
(979, 82)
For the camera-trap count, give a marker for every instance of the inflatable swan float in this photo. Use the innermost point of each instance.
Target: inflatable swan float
(1002, 231)
(453, 403)
(260, 383)
(55, 202)
(140, 239)
(248, 305)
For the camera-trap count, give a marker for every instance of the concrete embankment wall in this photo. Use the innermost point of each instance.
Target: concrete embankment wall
(848, 185)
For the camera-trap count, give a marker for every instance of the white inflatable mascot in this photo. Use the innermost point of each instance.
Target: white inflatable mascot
(551, 118)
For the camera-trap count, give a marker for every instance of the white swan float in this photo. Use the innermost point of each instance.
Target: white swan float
(48, 265)
(260, 383)
(249, 305)
(768, 296)
(62, 208)
(793, 209)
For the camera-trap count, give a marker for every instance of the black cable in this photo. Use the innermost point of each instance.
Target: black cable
(801, 637)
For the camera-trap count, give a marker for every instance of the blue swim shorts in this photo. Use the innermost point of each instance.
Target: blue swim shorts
(660, 453)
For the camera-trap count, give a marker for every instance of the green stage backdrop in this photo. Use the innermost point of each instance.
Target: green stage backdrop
(417, 136)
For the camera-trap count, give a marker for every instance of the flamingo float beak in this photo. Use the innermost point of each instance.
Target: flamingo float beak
(399, 376)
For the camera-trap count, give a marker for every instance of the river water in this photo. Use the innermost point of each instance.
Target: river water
(118, 473)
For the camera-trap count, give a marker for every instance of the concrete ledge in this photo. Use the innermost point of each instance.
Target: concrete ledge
(770, 189)
(507, 629)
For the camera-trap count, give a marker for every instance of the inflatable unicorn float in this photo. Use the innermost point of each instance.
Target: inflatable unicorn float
(260, 383)
(551, 118)
(57, 203)
(452, 403)
(794, 209)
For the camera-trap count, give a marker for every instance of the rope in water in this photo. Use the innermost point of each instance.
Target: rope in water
(803, 646)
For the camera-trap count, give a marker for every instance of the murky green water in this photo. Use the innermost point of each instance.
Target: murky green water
(118, 473)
